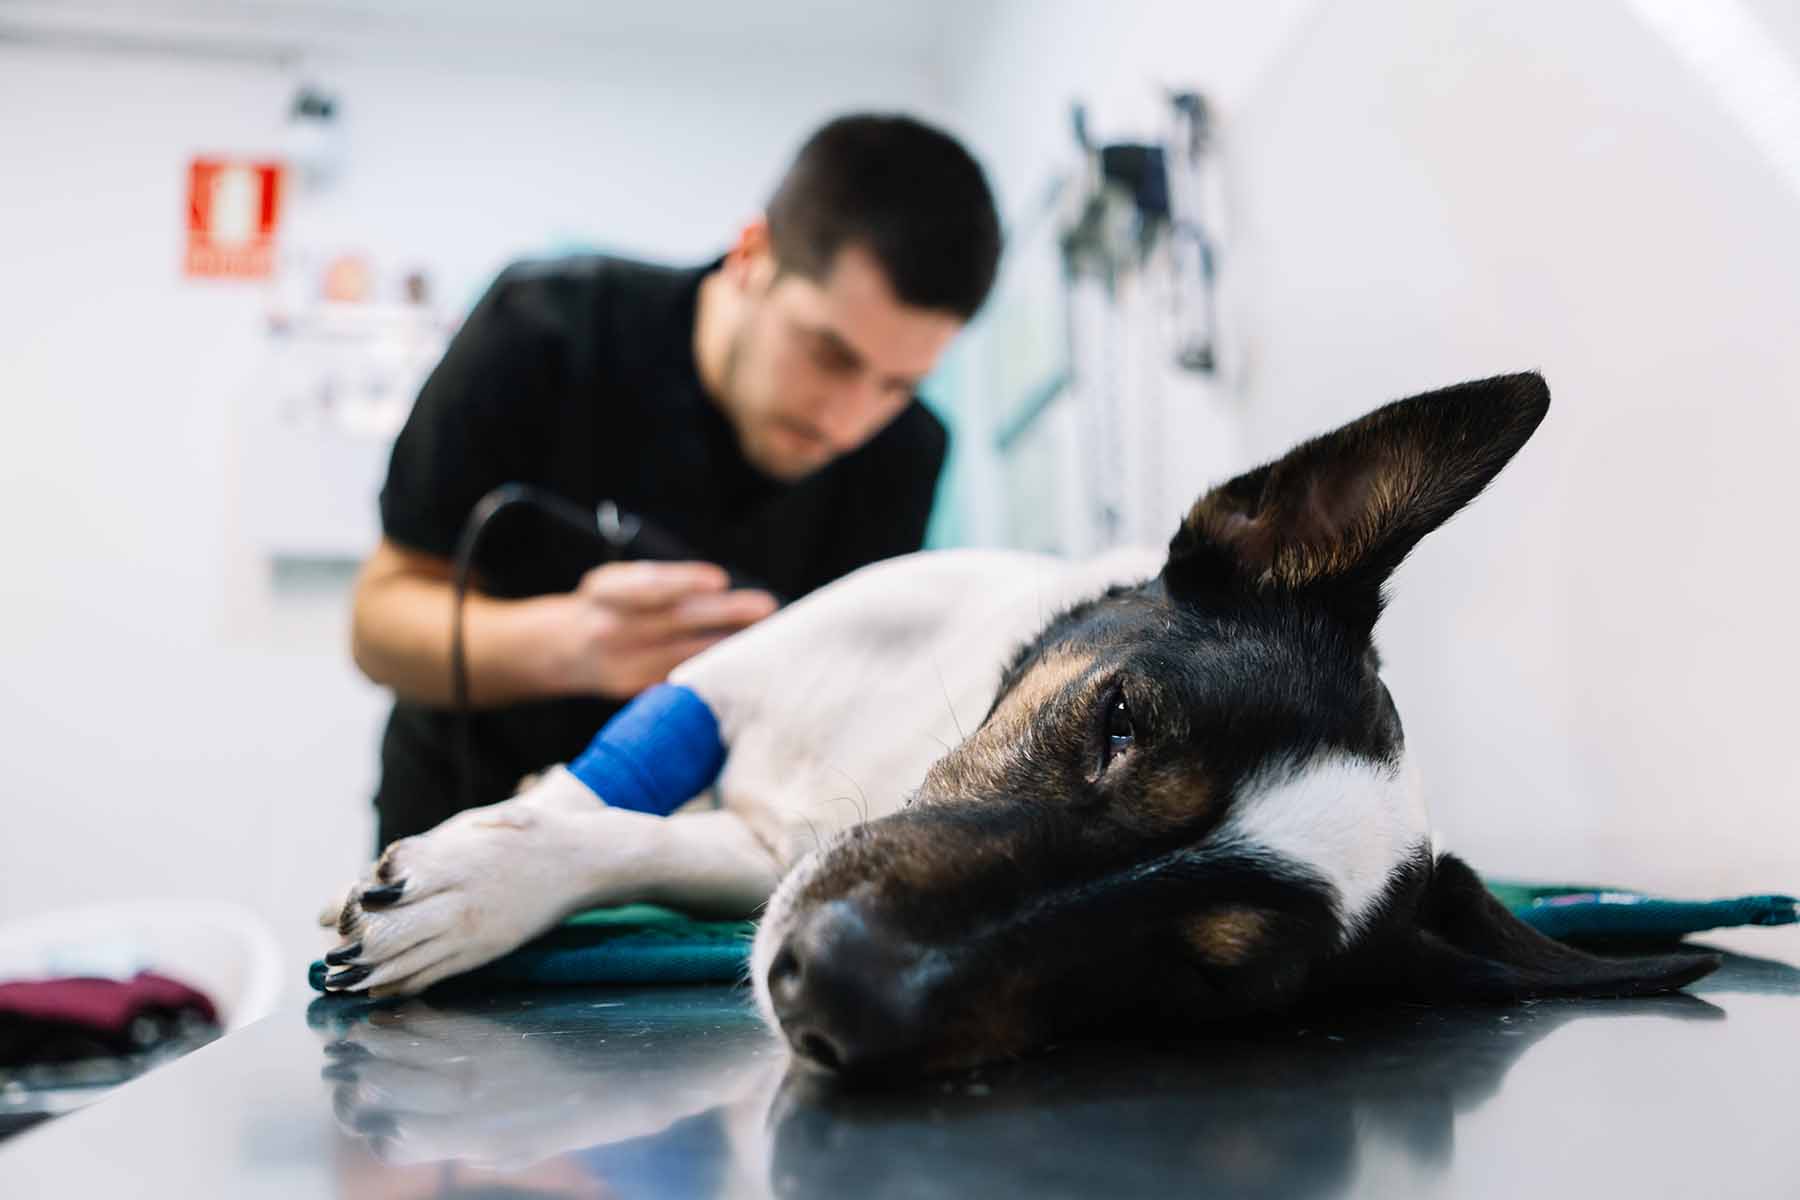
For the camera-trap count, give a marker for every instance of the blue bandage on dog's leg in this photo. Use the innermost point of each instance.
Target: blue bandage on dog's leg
(656, 754)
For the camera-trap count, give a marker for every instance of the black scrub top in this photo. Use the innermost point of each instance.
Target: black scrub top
(578, 375)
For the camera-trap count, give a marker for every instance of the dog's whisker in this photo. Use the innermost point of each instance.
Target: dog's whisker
(863, 811)
(945, 688)
(850, 800)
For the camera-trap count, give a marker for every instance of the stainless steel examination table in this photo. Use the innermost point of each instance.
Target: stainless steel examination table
(675, 1092)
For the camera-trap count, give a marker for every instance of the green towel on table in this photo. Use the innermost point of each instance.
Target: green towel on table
(642, 943)
(1593, 914)
(639, 943)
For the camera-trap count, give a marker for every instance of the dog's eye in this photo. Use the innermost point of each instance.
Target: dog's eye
(1120, 732)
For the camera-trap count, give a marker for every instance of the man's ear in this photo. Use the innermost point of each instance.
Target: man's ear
(1467, 946)
(1347, 507)
(750, 263)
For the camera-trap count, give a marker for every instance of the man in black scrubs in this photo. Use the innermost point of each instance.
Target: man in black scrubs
(759, 407)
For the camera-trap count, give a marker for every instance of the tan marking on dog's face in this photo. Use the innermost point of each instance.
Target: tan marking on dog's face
(1052, 673)
(1168, 796)
(1016, 729)
(1228, 937)
(1045, 725)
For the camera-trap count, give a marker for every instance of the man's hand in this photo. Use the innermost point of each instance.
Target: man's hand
(627, 625)
(623, 628)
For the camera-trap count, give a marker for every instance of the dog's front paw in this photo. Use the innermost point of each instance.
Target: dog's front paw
(461, 895)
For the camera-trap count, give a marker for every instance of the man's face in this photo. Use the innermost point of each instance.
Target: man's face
(818, 367)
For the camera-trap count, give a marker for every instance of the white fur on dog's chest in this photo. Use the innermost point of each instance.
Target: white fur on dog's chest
(1350, 821)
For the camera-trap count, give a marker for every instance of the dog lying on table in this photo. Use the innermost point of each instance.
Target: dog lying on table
(1189, 798)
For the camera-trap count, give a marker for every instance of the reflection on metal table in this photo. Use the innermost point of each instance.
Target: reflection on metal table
(677, 1092)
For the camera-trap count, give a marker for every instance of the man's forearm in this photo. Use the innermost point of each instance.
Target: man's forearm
(622, 628)
(400, 638)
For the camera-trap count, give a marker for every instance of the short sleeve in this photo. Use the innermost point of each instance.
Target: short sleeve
(480, 420)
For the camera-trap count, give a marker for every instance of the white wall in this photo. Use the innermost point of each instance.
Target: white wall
(1596, 659)
(176, 722)
(1595, 662)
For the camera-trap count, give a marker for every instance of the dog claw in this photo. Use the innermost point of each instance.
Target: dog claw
(375, 897)
(343, 954)
(348, 976)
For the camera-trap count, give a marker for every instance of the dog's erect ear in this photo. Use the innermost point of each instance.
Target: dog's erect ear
(1348, 506)
(1467, 946)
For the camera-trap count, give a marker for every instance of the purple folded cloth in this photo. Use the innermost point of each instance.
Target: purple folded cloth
(58, 1019)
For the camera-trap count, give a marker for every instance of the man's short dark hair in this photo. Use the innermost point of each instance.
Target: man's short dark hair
(904, 191)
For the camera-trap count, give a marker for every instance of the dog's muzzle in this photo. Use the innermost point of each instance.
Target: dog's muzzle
(853, 997)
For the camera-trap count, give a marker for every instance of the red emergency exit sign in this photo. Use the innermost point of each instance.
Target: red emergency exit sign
(234, 208)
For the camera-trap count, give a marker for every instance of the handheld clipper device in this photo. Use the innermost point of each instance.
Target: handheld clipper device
(666, 739)
(621, 535)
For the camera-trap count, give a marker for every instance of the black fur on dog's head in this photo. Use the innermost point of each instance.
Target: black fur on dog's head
(1190, 799)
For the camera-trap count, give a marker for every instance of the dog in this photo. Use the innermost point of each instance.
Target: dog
(1189, 799)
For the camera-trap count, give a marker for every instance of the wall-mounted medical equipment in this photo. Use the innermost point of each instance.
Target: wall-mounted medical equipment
(1109, 349)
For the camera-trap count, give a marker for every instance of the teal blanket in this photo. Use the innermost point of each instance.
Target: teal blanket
(642, 943)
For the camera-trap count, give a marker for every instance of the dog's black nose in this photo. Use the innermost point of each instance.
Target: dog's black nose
(849, 995)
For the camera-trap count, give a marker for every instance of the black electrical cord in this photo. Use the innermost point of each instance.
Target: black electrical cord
(506, 496)
(619, 535)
